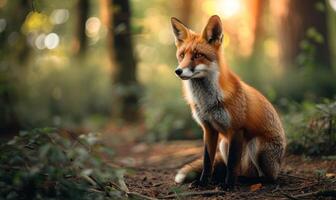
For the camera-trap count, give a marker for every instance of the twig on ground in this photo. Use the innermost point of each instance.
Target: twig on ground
(188, 194)
(273, 195)
(294, 176)
(94, 190)
(288, 195)
(115, 186)
(101, 186)
(141, 196)
(302, 187)
(326, 193)
(157, 184)
(97, 182)
(8, 167)
(276, 188)
(132, 194)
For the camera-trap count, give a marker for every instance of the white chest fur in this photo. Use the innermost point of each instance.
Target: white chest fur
(207, 96)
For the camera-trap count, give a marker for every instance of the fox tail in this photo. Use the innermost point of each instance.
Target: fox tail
(193, 170)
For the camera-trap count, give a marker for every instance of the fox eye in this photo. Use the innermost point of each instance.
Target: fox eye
(199, 55)
(182, 55)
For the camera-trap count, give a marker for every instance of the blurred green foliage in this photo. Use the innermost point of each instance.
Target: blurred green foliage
(311, 129)
(65, 96)
(167, 115)
(43, 164)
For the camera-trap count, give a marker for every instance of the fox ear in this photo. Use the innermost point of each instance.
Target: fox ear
(181, 32)
(213, 32)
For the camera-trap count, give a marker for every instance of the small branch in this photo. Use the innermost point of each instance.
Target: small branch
(29, 147)
(276, 188)
(326, 193)
(157, 184)
(115, 186)
(97, 182)
(288, 195)
(8, 167)
(302, 187)
(294, 176)
(94, 190)
(189, 194)
(131, 194)
(141, 196)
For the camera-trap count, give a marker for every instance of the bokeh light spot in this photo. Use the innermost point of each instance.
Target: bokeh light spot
(3, 24)
(51, 41)
(333, 4)
(39, 41)
(36, 22)
(59, 16)
(92, 26)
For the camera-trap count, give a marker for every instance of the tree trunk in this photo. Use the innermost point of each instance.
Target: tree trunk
(185, 10)
(13, 55)
(294, 19)
(80, 42)
(122, 55)
(257, 8)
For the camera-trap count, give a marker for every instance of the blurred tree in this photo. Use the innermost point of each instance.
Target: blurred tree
(13, 42)
(122, 55)
(14, 52)
(256, 9)
(299, 21)
(80, 42)
(185, 10)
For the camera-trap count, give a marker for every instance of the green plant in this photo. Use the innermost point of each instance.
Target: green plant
(45, 164)
(312, 131)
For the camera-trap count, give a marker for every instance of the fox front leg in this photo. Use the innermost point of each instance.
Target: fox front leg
(210, 146)
(207, 168)
(234, 159)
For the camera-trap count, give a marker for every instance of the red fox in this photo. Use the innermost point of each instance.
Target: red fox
(232, 114)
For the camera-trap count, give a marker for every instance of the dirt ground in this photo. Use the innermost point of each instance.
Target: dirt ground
(153, 167)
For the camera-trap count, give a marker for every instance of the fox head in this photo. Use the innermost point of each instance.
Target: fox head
(197, 54)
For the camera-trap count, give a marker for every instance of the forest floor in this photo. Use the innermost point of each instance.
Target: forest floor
(153, 167)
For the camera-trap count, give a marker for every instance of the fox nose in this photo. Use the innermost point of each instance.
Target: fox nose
(178, 71)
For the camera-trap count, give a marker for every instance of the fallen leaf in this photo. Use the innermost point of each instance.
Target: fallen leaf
(255, 187)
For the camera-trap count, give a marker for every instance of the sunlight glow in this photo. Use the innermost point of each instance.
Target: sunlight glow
(225, 8)
(229, 8)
